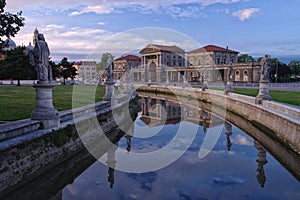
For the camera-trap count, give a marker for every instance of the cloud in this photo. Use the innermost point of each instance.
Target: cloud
(17, 4)
(101, 23)
(242, 140)
(99, 9)
(176, 8)
(246, 13)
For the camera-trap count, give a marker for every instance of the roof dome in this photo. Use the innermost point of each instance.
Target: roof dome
(9, 44)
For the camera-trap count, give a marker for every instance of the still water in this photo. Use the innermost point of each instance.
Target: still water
(237, 167)
(179, 152)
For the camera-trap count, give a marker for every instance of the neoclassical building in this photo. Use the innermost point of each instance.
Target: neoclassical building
(156, 59)
(216, 60)
(124, 63)
(161, 63)
(212, 54)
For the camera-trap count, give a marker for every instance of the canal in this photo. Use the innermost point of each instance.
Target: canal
(175, 151)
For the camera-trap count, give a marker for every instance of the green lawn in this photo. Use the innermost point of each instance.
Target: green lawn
(288, 97)
(19, 102)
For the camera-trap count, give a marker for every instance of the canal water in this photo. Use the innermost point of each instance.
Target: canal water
(233, 165)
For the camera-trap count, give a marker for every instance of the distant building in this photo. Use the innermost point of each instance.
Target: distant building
(155, 59)
(161, 63)
(86, 72)
(212, 54)
(124, 63)
(8, 44)
(216, 60)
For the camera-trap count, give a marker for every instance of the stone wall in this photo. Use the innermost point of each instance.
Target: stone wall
(27, 155)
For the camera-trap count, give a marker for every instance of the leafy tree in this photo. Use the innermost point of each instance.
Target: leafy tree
(16, 66)
(103, 62)
(294, 66)
(10, 24)
(66, 69)
(55, 69)
(245, 58)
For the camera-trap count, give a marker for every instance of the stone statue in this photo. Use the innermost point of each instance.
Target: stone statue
(109, 65)
(229, 73)
(39, 58)
(265, 68)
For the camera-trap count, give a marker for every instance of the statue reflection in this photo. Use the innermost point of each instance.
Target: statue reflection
(228, 133)
(129, 133)
(111, 163)
(205, 120)
(261, 161)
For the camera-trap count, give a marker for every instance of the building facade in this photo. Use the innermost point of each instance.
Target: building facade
(125, 63)
(162, 63)
(155, 59)
(87, 72)
(211, 54)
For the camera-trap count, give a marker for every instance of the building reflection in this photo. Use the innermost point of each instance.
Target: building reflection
(111, 163)
(261, 161)
(228, 133)
(157, 112)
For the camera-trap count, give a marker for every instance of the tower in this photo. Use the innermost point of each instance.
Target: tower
(35, 36)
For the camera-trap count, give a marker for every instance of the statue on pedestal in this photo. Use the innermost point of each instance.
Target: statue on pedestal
(263, 93)
(265, 68)
(39, 58)
(109, 65)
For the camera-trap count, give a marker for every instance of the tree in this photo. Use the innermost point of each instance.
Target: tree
(10, 23)
(294, 66)
(102, 64)
(245, 58)
(16, 66)
(55, 69)
(66, 69)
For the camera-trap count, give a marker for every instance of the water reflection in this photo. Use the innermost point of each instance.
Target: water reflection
(261, 161)
(228, 133)
(235, 168)
(111, 163)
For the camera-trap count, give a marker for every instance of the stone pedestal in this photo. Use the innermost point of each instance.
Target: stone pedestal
(44, 110)
(205, 85)
(109, 86)
(263, 92)
(229, 87)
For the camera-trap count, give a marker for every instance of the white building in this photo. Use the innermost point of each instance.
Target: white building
(87, 72)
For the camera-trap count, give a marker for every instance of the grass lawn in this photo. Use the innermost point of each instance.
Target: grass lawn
(19, 102)
(288, 97)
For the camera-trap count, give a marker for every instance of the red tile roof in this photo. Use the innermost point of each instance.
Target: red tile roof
(85, 63)
(213, 48)
(128, 57)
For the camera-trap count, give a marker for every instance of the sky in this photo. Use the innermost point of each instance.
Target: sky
(83, 30)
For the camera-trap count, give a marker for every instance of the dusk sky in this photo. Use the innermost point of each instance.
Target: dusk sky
(74, 28)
